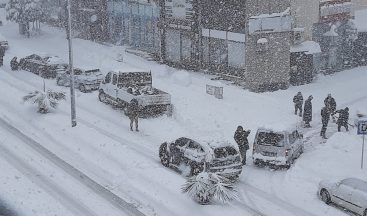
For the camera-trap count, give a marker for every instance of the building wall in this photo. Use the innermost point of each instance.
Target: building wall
(359, 4)
(305, 14)
(267, 69)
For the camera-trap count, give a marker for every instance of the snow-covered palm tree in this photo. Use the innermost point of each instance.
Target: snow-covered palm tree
(45, 100)
(206, 185)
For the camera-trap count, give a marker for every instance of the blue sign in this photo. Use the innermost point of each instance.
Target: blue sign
(362, 127)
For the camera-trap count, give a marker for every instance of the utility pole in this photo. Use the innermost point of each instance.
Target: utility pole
(72, 89)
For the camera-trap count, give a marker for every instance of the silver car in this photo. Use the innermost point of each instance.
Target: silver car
(350, 193)
(84, 79)
(276, 148)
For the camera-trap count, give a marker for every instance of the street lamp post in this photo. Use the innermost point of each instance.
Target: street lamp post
(72, 89)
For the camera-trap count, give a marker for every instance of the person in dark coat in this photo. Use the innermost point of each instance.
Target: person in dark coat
(2, 53)
(325, 117)
(298, 101)
(14, 64)
(330, 105)
(133, 113)
(307, 112)
(343, 118)
(240, 136)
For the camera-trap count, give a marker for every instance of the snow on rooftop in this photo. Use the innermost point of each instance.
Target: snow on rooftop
(309, 47)
(361, 20)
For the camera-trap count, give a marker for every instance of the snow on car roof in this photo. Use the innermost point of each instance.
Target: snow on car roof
(356, 183)
(279, 127)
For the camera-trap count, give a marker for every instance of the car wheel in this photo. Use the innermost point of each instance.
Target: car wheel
(325, 196)
(164, 155)
(102, 97)
(82, 88)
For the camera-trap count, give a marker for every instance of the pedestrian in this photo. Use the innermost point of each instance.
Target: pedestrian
(330, 105)
(240, 136)
(307, 112)
(325, 117)
(2, 53)
(343, 118)
(132, 112)
(298, 101)
(14, 64)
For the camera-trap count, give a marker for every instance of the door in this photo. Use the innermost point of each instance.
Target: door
(113, 87)
(107, 84)
(359, 201)
(342, 196)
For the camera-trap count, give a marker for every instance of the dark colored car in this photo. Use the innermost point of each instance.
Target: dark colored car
(45, 66)
(190, 157)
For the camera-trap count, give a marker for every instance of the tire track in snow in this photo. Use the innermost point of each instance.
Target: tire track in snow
(41, 181)
(78, 175)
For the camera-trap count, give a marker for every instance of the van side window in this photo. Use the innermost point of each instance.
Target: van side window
(114, 79)
(293, 137)
(108, 78)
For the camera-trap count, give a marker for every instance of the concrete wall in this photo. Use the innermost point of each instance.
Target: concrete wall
(270, 69)
(305, 14)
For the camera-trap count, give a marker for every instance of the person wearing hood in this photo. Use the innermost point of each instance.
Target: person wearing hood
(298, 101)
(240, 136)
(307, 112)
(343, 118)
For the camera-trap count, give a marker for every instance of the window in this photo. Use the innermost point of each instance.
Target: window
(114, 80)
(270, 138)
(108, 78)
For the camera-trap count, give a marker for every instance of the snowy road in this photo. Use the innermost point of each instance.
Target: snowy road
(62, 195)
(127, 164)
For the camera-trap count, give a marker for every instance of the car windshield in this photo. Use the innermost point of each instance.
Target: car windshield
(92, 72)
(224, 152)
(270, 139)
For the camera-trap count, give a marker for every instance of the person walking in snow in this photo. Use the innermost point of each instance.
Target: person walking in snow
(343, 118)
(307, 112)
(240, 136)
(325, 117)
(2, 53)
(298, 101)
(133, 113)
(14, 64)
(330, 105)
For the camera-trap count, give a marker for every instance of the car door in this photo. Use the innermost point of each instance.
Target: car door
(106, 83)
(342, 195)
(77, 76)
(358, 200)
(114, 89)
(292, 140)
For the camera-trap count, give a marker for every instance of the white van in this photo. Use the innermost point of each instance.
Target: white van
(276, 148)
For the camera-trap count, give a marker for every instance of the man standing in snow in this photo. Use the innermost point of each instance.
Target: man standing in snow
(343, 118)
(240, 136)
(2, 53)
(14, 64)
(330, 105)
(307, 112)
(325, 117)
(298, 101)
(133, 113)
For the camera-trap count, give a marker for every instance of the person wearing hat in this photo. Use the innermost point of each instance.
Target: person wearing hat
(325, 117)
(343, 118)
(307, 112)
(240, 136)
(298, 102)
(132, 112)
(330, 105)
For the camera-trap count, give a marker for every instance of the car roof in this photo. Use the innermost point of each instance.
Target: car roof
(356, 183)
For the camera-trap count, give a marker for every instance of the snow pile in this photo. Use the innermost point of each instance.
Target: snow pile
(182, 78)
(361, 20)
(309, 47)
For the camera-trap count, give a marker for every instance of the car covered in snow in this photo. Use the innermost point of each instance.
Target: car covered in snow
(3, 42)
(190, 157)
(276, 148)
(349, 193)
(46, 66)
(120, 88)
(84, 79)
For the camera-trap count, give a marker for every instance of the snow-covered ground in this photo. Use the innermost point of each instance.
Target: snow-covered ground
(127, 163)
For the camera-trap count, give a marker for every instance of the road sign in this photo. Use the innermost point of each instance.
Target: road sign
(214, 90)
(362, 127)
(362, 130)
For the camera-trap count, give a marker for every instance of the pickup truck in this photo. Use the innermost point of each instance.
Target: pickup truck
(84, 79)
(119, 88)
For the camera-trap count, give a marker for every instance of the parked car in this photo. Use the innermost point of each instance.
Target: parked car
(119, 88)
(276, 148)
(190, 157)
(84, 79)
(3, 42)
(44, 65)
(349, 193)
